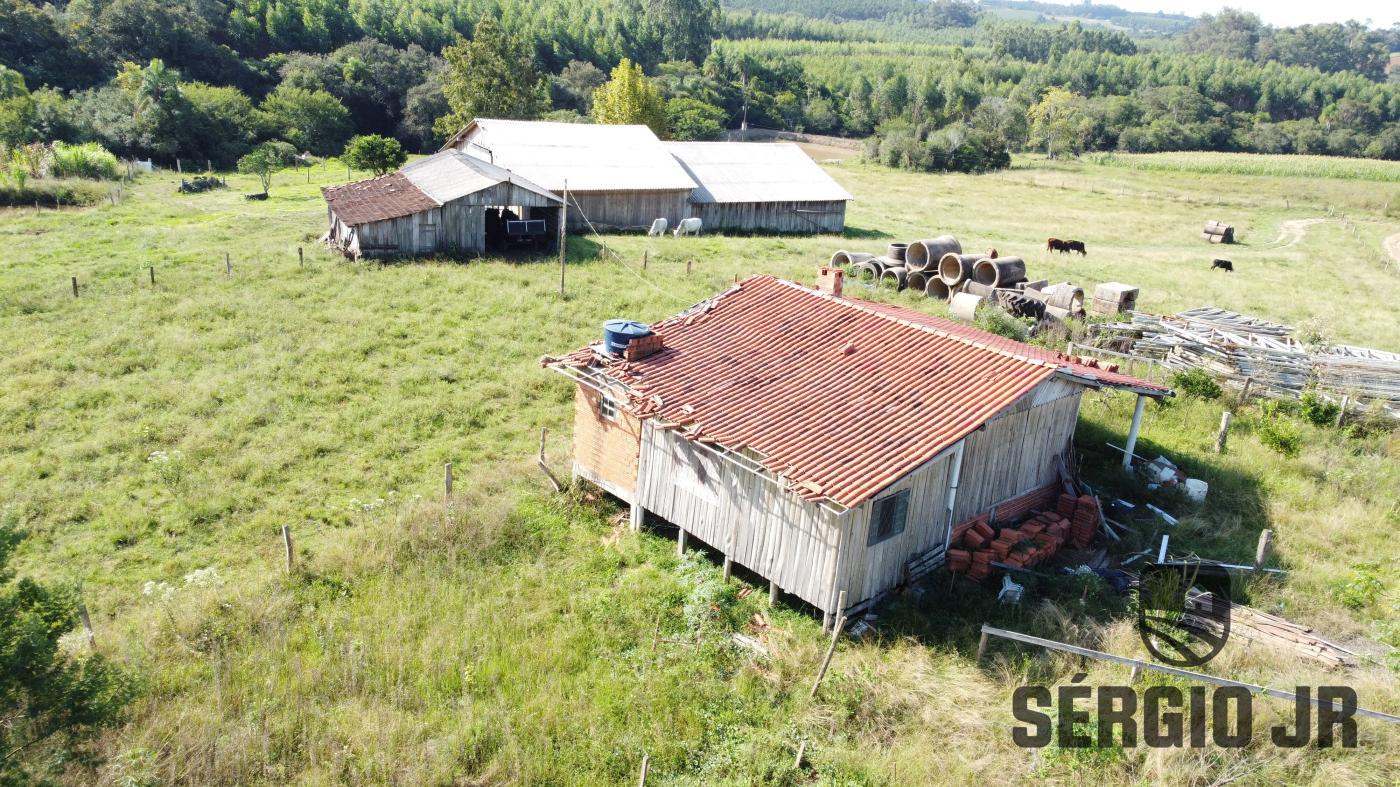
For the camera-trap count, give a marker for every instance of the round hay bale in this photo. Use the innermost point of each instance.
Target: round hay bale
(896, 277)
(938, 289)
(847, 259)
(1000, 272)
(924, 254)
(964, 305)
(956, 268)
(896, 251)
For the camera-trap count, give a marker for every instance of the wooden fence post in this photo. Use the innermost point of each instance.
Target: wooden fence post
(646, 257)
(301, 256)
(287, 542)
(1223, 433)
(1342, 411)
(646, 762)
(447, 479)
(801, 753)
(153, 275)
(1244, 392)
(835, 635)
(75, 286)
(1266, 543)
(982, 647)
(228, 265)
(688, 263)
(87, 625)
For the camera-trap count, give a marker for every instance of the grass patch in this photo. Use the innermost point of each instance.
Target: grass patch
(1255, 164)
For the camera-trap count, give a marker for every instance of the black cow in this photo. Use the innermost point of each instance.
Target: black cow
(1076, 245)
(1224, 265)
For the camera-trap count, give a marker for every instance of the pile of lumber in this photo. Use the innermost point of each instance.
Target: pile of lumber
(1238, 347)
(1256, 626)
(1218, 232)
(977, 544)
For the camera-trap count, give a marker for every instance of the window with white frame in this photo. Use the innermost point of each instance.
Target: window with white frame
(888, 516)
(607, 407)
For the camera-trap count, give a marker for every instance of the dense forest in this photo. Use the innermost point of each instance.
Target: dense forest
(934, 85)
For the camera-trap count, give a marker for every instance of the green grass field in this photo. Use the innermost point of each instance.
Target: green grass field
(514, 636)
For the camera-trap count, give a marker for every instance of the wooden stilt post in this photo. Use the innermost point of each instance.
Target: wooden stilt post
(639, 516)
(835, 635)
(680, 542)
(1223, 433)
(773, 592)
(1266, 545)
(287, 542)
(728, 567)
(447, 479)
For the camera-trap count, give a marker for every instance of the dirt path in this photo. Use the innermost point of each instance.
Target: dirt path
(1292, 231)
(1392, 247)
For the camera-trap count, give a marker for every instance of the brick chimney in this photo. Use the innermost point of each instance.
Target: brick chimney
(829, 280)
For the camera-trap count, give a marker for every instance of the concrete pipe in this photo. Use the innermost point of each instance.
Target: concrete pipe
(925, 254)
(917, 280)
(896, 277)
(1036, 285)
(976, 288)
(938, 289)
(964, 305)
(1057, 313)
(897, 251)
(1000, 272)
(1065, 296)
(867, 272)
(956, 268)
(848, 259)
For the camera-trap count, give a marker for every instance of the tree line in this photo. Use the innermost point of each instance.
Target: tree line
(934, 84)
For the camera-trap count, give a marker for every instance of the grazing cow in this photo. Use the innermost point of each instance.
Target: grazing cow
(991, 254)
(690, 226)
(1076, 245)
(658, 228)
(1055, 244)
(1224, 265)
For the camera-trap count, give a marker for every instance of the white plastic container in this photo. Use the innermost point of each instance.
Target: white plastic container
(1196, 490)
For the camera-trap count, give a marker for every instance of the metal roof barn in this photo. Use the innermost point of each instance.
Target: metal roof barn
(822, 442)
(761, 187)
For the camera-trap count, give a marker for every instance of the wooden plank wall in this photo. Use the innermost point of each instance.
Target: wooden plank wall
(762, 526)
(605, 452)
(867, 570)
(794, 217)
(626, 210)
(457, 227)
(1016, 450)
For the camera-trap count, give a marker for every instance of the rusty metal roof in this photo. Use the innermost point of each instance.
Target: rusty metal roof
(377, 199)
(837, 396)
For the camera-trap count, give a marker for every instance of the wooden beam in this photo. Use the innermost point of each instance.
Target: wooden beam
(1266, 543)
(1180, 673)
(1223, 433)
(1133, 432)
(835, 635)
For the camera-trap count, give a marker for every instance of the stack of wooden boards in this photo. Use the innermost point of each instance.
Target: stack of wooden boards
(1218, 232)
(977, 544)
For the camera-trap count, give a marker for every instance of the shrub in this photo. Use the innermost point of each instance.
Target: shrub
(1196, 384)
(1361, 589)
(993, 320)
(1319, 410)
(1281, 435)
(375, 153)
(88, 160)
(22, 191)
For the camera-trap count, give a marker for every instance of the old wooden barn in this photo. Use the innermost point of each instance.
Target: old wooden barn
(821, 442)
(618, 177)
(623, 177)
(447, 203)
(761, 187)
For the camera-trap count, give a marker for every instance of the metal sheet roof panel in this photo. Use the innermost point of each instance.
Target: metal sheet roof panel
(731, 172)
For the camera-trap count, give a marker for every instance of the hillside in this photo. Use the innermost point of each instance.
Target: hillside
(511, 635)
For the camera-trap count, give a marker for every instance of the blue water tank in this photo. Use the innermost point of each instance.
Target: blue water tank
(617, 334)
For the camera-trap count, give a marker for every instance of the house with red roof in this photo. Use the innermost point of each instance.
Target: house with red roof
(822, 442)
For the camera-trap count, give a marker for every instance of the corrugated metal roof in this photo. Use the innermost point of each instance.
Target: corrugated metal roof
(589, 157)
(377, 199)
(451, 175)
(755, 172)
(840, 397)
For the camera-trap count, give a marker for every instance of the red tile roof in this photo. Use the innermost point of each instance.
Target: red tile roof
(378, 199)
(841, 397)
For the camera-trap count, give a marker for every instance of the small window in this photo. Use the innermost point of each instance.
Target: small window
(888, 516)
(607, 408)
